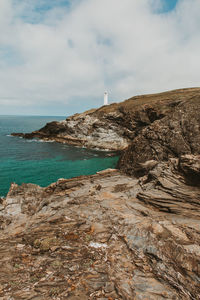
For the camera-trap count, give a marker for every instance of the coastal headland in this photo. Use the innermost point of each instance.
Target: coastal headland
(130, 233)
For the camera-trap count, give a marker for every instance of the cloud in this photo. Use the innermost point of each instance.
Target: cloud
(52, 57)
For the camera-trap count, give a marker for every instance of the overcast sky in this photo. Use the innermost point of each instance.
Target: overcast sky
(58, 57)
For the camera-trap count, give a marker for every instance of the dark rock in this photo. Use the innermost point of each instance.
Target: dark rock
(190, 165)
(172, 136)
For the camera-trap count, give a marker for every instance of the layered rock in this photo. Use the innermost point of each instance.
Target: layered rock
(106, 236)
(114, 126)
(127, 234)
(172, 136)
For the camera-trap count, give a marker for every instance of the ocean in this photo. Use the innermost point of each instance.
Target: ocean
(35, 161)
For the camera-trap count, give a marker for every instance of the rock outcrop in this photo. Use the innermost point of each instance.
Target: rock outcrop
(174, 135)
(106, 236)
(132, 233)
(113, 127)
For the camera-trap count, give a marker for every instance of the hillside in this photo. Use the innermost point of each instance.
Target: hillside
(113, 127)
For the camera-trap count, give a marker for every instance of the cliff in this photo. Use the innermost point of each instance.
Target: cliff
(174, 135)
(114, 126)
(132, 233)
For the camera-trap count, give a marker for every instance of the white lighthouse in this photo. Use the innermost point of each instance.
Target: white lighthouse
(106, 98)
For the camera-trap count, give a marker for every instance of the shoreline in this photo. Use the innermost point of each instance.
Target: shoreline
(118, 234)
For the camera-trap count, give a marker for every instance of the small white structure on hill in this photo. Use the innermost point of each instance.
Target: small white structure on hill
(106, 98)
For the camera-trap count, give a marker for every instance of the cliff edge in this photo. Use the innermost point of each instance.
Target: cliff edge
(132, 233)
(115, 126)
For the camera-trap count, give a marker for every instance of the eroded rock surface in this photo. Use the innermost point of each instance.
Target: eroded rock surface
(127, 234)
(106, 236)
(172, 136)
(114, 127)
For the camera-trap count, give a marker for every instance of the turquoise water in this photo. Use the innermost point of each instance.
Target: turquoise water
(42, 162)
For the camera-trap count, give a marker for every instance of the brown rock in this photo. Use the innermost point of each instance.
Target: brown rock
(115, 235)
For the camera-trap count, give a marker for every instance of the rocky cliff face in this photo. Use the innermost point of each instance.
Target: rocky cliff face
(132, 233)
(115, 126)
(176, 134)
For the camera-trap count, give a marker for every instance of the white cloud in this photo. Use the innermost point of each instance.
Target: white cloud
(69, 53)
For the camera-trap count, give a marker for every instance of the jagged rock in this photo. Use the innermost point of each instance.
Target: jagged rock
(127, 234)
(170, 137)
(114, 127)
(112, 244)
(190, 165)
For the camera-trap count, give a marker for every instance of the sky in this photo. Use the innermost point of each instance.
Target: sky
(58, 57)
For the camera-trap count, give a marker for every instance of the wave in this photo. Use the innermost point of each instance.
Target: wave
(38, 141)
(9, 135)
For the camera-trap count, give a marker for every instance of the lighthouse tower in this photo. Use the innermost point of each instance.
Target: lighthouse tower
(106, 98)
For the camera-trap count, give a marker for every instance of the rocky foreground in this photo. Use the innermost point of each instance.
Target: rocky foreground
(132, 233)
